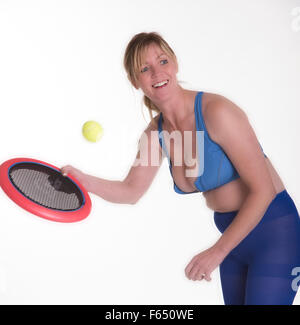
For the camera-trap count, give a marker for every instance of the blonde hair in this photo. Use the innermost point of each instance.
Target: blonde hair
(133, 60)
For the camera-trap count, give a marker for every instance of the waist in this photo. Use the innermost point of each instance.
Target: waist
(228, 197)
(280, 206)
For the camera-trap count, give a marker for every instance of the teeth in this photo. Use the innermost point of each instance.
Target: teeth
(160, 83)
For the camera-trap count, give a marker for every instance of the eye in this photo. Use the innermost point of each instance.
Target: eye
(144, 69)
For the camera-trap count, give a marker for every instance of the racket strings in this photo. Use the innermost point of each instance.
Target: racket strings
(46, 186)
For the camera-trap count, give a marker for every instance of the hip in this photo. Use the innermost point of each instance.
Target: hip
(277, 231)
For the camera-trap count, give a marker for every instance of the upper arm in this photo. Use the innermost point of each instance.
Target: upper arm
(147, 162)
(233, 132)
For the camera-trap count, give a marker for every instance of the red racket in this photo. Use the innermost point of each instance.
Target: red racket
(41, 189)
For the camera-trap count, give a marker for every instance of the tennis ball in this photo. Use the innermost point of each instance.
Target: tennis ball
(92, 131)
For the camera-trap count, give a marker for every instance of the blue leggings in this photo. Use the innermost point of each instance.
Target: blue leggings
(264, 268)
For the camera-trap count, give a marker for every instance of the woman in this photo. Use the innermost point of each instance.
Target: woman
(260, 243)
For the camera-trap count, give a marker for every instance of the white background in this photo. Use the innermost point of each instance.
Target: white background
(61, 65)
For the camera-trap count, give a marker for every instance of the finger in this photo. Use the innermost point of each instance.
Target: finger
(207, 276)
(200, 275)
(188, 274)
(190, 266)
(188, 269)
(65, 170)
(194, 273)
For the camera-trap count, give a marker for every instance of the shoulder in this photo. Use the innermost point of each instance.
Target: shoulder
(220, 115)
(217, 107)
(233, 132)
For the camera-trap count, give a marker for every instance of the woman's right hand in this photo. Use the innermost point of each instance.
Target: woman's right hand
(76, 173)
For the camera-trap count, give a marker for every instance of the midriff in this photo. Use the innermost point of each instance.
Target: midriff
(231, 196)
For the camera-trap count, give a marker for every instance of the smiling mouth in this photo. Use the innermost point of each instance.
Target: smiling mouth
(161, 84)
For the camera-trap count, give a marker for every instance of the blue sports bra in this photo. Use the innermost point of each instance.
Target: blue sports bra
(218, 169)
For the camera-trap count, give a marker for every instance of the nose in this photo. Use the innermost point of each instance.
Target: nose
(154, 71)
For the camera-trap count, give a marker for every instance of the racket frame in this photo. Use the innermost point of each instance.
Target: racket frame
(47, 213)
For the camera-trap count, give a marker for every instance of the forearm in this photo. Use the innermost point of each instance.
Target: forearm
(112, 191)
(249, 215)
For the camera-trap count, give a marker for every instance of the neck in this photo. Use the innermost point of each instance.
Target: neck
(176, 108)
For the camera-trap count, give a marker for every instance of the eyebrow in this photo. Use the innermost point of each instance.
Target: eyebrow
(156, 58)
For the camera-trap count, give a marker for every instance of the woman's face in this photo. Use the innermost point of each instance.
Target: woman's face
(156, 68)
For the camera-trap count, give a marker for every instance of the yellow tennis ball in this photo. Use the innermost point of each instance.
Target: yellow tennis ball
(92, 131)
